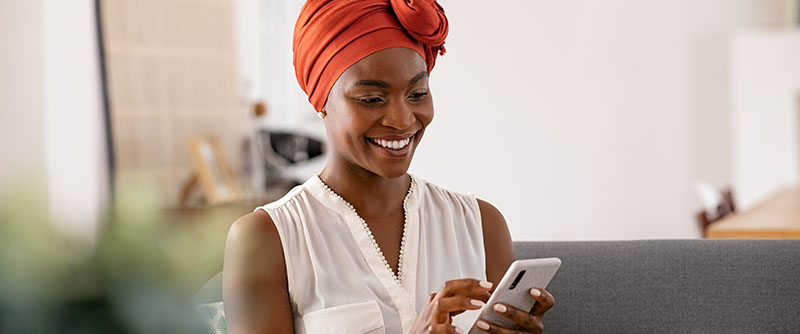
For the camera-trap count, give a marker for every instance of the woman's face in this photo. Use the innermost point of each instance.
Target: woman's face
(377, 112)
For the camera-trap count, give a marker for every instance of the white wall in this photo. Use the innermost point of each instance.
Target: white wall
(587, 119)
(708, 28)
(287, 103)
(21, 93)
(766, 113)
(74, 129)
(52, 121)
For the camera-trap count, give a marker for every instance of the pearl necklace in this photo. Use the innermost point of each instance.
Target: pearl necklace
(397, 277)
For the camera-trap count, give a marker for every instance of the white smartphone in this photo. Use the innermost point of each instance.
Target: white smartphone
(513, 289)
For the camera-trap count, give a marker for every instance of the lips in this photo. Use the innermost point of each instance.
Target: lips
(394, 146)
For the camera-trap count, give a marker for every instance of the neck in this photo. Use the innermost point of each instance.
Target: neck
(369, 193)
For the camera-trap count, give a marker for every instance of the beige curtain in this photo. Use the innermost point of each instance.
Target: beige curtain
(171, 75)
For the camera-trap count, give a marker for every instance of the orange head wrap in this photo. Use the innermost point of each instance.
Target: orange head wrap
(332, 35)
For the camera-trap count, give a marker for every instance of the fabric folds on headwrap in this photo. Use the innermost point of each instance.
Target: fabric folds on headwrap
(332, 35)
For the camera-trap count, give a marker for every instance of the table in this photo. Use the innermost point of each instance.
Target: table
(778, 218)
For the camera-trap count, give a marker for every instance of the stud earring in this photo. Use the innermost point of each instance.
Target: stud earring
(321, 114)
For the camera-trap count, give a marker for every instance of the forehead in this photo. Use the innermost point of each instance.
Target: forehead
(390, 65)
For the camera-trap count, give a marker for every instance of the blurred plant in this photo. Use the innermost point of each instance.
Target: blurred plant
(139, 277)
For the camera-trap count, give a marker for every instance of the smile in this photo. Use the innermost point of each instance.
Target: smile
(391, 144)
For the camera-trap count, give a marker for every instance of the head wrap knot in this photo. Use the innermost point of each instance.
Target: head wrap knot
(424, 20)
(332, 35)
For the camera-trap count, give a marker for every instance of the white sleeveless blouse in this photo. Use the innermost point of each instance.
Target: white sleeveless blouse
(338, 280)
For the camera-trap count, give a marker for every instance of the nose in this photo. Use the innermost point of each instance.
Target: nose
(399, 116)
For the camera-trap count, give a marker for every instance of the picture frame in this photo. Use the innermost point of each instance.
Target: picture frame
(213, 171)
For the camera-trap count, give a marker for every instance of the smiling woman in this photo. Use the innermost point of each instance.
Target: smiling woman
(365, 247)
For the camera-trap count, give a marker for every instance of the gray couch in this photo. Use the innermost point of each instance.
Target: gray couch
(665, 286)
(673, 286)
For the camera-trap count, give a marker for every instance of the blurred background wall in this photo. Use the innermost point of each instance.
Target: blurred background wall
(51, 107)
(171, 76)
(765, 117)
(589, 119)
(21, 89)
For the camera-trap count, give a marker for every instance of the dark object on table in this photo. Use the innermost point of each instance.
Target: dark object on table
(292, 147)
(725, 207)
(282, 151)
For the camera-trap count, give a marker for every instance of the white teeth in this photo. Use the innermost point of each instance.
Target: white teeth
(394, 144)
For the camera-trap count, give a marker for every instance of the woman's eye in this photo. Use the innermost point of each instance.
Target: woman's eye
(372, 100)
(418, 96)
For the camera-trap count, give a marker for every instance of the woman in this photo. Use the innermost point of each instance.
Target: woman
(365, 247)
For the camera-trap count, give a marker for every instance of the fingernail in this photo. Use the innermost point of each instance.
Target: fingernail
(483, 325)
(485, 284)
(500, 308)
(536, 292)
(458, 330)
(476, 302)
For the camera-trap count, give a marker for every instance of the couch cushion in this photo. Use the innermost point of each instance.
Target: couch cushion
(673, 286)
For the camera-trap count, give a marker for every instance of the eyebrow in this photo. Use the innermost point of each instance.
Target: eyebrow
(418, 77)
(375, 83)
(384, 84)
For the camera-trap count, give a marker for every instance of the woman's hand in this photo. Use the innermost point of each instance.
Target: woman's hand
(528, 322)
(453, 298)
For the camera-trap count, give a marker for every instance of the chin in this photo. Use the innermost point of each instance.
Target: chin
(392, 171)
(388, 166)
(395, 174)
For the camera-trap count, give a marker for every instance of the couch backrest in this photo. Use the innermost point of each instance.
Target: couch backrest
(672, 286)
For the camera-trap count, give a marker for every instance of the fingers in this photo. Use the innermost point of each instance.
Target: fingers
(458, 303)
(444, 308)
(468, 287)
(530, 322)
(459, 295)
(463, 285)
(544, 301)
(444, 328)
(526, 320)
(488, 327)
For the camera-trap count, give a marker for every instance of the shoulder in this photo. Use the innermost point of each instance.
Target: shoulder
(254, 236)
(491, 216)
(251, 227)
(254, 281)
(489, 213)
(292, 196)
(495, 229)
(443, 194)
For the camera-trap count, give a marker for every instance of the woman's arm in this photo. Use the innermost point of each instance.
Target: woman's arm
(496, 242)
(254, 289)
(499, 256)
